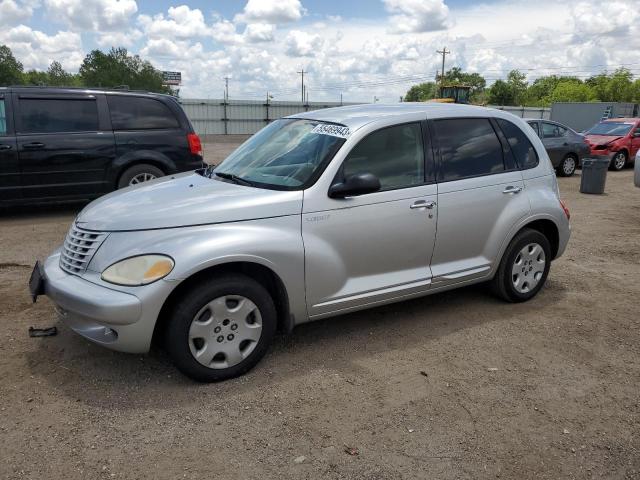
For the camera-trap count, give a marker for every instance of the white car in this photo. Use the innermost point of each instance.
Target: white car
(636, 178)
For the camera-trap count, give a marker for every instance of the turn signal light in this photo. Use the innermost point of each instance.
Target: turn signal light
(566, 210)
(195, 146)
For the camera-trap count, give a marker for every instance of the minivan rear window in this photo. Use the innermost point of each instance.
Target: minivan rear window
(57, 115)
(469, 147)
(138, 113)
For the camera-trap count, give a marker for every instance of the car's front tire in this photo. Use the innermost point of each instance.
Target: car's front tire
(221, 329)
(619, 161)
(524, 267)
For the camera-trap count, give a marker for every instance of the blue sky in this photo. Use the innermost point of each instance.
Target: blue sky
(357, 48)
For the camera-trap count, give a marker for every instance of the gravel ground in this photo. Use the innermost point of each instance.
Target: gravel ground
(454, 386)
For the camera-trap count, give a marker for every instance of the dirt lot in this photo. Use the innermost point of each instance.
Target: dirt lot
(458, 385)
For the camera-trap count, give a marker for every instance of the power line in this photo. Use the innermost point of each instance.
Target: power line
(444, 53)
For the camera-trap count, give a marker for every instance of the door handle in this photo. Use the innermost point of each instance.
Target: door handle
(33, 145)
(5, 147)
(423, 204)
(512, 189)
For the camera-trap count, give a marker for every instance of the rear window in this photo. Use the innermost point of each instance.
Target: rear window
(469, 147)
(526, 155)
(138, 113)
(49, 115)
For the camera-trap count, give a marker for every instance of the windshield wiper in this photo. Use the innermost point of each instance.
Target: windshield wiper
(235, 179)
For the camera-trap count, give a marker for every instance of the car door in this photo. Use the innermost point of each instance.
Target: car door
(479, 198)
(9, 166)
(374, 247)
(64, 145)
(554, 141)
(635, 142)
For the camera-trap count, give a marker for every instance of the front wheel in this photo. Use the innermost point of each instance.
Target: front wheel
(221, 328)
(568, 166)
(619, 161)
(524, 267)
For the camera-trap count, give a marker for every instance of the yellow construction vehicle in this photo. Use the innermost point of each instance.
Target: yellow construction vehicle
(453, 94)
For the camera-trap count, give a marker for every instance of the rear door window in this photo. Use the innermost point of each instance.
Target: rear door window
(469, 147)
(139, 113)
(57, 115)
(522, 149)
(551, 130)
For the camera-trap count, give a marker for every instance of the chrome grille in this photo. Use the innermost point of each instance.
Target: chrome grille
(79, 248)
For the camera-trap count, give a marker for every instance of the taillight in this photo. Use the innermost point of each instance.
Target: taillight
(195, 146)
(566, 210)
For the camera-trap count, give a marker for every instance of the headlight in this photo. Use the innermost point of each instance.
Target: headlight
(138, 270)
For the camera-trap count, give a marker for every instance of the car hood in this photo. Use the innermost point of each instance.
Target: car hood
(185, 200)
(601, 139)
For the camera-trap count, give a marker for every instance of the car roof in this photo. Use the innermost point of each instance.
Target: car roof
(75, 90)
(356, 116)
(622, 119)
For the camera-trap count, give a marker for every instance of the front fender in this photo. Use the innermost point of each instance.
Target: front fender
(275, 243)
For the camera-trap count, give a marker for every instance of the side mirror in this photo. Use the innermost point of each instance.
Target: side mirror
(636, 134)
(353, 185)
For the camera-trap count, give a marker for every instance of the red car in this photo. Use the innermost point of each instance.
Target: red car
(617, 138)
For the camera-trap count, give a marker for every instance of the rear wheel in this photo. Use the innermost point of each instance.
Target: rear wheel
(140, 173)
(524, 267)
(568, 166)
(221, 328)
(619, 161)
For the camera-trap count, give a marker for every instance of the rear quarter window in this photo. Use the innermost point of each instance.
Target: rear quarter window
(3, 118)
(139, 113)
(522, 149)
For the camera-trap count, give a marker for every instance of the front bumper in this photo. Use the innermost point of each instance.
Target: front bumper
(119, 320)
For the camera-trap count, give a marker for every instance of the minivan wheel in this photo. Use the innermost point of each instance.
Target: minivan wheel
(140, 173)
(619, 161)
(221, 328)
(524, 267)
(568, 166)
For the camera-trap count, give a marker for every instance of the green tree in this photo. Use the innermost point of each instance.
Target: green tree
(517, 82)
(35, 77)
(615, 87)
(59, 77)
(10, 68)
(118, 68)
(572, 91)
(421, 92)
(500, 93)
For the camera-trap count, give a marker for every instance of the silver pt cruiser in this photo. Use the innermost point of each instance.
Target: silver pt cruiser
(316, 215)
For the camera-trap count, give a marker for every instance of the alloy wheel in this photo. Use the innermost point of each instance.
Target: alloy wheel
(528, 268)
(619, 161)
(142, 177)
(569, 166)
(225, 331)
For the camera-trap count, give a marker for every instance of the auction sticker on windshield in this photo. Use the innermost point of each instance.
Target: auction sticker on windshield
(333, 130)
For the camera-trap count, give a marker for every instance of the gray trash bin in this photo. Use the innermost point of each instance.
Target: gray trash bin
(594, 175)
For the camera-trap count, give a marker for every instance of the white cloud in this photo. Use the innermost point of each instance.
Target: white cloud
(92, 15)
(119, 39)
(259, 32)
(223, 31)
(590, 19)
(12, 12)
(302, 44)
(417, 16)
(271, 11)
(36, 49)
(180, 22)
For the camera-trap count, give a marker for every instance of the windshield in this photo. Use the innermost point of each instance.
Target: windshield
(617, 129)
(288, 154)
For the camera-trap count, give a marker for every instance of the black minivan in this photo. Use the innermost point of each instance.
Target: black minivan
(68, 143)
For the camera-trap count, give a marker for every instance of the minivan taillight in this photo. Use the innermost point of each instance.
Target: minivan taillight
(195, 146)
(566, 210)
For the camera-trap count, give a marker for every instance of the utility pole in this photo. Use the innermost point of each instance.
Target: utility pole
(302, 73)
(444, 52)
(226, 89)
(340, 99)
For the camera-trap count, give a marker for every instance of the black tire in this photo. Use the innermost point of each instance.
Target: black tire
(502, 283)
(619, 165)
(138, 170)
(568, 166)
(177, 331)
